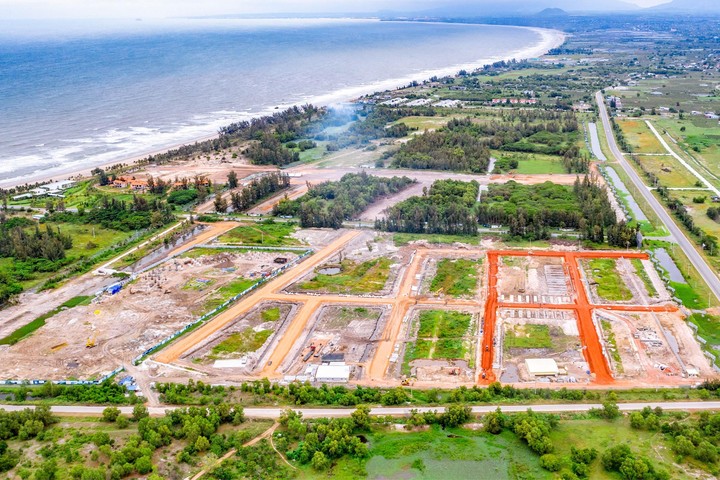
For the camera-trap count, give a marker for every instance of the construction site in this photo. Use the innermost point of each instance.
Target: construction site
(361, 309)
(532, 317)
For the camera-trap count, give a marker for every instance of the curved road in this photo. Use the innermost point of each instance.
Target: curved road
(686, 244)
(274, 412)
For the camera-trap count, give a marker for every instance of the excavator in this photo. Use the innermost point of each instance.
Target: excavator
(91, 342)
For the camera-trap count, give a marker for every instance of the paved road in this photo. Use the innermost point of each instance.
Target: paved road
(274, 412)
(696, 259)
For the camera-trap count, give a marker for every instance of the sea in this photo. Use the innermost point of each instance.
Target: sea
(75, 95)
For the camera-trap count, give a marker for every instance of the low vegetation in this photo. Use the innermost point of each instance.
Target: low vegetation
(28, 329)
(267, 233)
(455, 277)
(356, 278)
(528, 336)
(610, 286)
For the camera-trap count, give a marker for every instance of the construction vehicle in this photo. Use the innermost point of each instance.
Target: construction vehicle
(91, 342)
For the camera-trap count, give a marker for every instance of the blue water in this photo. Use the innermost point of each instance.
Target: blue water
(71, 98)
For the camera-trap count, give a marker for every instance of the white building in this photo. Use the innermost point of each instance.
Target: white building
(539, 367)
(333, 373)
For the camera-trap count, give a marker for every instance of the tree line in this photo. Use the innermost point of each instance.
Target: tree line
(258, 189)
(329, 204)
(448, 207)
(455, 148)
(289, 124)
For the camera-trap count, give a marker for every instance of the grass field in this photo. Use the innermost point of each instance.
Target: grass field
(455, 277)
(246, 341)
(355, 278)
(669, 171)
(609, 284)
(270, 314)
(698, 136)
(528, 336)
(402, 239)
(530, 163)
(225, 293)
(608, 434)
(422, 124)
(612, 345)
(28, 329)
(709, 330)
(450, 454)
(640, 136)
(440, 336)
(268, 233)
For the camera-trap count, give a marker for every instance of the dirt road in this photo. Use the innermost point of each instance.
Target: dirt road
(176, 349)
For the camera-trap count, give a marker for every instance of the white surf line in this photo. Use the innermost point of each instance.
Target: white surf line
(709, 185)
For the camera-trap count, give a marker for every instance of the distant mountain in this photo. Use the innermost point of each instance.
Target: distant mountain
(552, 12)
(688, 6)
(526, 7)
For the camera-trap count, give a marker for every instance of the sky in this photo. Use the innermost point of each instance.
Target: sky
(163, 8)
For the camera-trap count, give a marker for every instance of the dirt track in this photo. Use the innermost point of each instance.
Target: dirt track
(405, 298)
(174, 351)
(593, 348)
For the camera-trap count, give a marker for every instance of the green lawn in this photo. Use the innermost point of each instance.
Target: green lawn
(354, 278)
(528, 336)
(440, 336)
(528, 163)
(609, 284)
(421, 123)
(455, 277)
(267, 233)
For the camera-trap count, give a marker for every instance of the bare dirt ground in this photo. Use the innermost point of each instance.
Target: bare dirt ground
(565, 349)
(366, 246)
(443, 371)
(213, 166)
(203, 354)
(348, 330)
(158, 303)
(31, 305)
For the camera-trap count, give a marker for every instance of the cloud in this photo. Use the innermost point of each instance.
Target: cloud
(176, 8)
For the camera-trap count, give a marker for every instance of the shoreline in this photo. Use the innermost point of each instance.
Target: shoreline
(549, 39)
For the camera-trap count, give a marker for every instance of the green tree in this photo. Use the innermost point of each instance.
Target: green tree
(551, 462)
(202, 444)
(319, 461)
(361, 417)
(110, 414)
(143, 465)
(140, 411)
(232, 179)
(494, 422)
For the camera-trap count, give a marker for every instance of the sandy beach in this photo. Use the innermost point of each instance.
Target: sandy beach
(549, 39)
